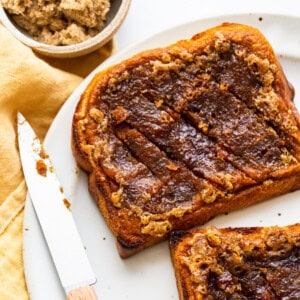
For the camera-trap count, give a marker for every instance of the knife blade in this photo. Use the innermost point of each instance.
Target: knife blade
(54, 215)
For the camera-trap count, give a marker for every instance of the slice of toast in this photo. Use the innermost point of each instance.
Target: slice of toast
(174, 136)
(237, 263)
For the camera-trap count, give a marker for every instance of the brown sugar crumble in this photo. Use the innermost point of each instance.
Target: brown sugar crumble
(63, 22)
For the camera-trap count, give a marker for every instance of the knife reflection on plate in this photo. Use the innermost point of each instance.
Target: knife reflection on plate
(55, 217)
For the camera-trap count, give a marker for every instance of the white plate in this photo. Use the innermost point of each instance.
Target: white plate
(147, 275)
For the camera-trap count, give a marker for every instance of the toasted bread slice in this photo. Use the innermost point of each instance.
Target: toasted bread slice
(237, 263)
(174, 136)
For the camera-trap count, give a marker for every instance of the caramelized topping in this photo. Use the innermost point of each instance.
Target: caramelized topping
(176, 129)
(258, 264)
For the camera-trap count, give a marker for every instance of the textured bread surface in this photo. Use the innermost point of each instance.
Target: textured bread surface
(237, 263)
(174, 136)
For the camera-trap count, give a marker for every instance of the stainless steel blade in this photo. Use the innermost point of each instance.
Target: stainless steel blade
(53, 211)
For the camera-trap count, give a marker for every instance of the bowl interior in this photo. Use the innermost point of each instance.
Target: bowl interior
(114, 8)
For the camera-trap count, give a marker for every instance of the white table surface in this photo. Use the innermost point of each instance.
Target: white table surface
(147, 17)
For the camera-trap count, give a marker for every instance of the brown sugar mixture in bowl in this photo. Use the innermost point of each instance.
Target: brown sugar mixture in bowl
(64, 22)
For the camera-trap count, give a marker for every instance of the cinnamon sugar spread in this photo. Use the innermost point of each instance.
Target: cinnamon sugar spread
(62, 22)
(243, 263)
(170, 109)
(172, 137)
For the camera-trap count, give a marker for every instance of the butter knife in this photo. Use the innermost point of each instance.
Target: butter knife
(53, 210)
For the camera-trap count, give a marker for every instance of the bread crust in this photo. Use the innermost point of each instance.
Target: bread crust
(136, 229)
(202, 258)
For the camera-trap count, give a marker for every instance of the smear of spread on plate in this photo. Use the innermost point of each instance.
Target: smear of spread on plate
(41, 168)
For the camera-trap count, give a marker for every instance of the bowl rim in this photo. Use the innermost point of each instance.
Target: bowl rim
(69, 50)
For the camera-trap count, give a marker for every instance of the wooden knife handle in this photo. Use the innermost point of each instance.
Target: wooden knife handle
(82, 293)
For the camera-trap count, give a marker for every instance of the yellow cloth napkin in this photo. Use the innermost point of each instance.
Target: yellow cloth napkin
(37, 87)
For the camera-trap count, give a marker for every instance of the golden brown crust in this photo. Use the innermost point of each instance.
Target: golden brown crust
(163, 150)
(237, 263)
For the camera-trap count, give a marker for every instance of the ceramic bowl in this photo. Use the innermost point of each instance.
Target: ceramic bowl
(115, 18)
